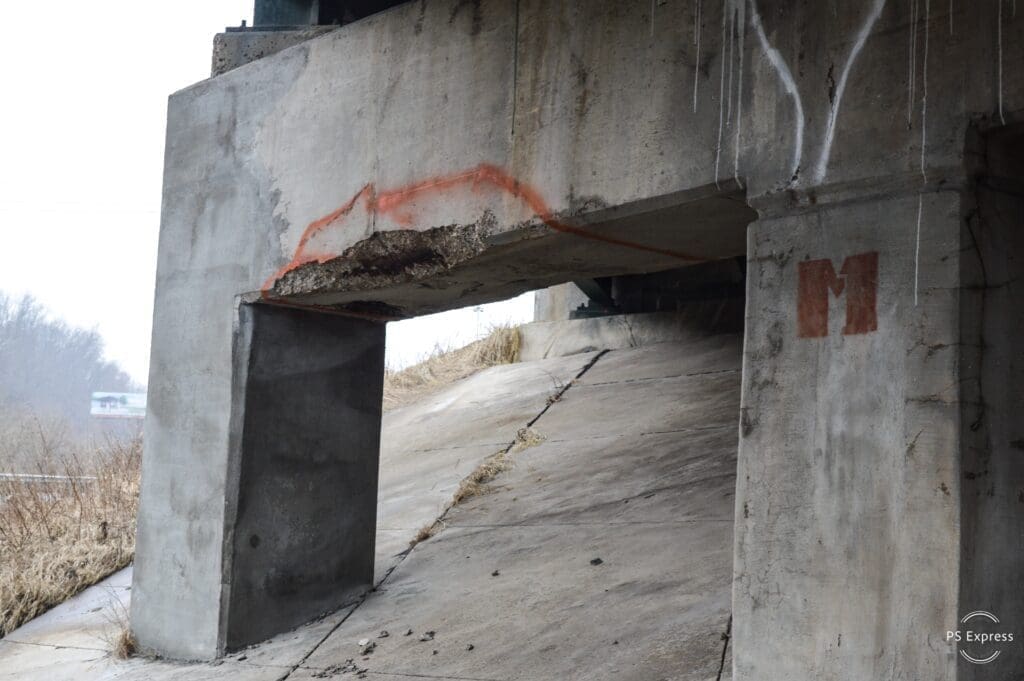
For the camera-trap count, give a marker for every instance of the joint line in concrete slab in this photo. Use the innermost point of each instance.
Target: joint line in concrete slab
(727, 636)
(52, 646)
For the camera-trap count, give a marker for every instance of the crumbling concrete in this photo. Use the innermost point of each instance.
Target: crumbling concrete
(596, 139)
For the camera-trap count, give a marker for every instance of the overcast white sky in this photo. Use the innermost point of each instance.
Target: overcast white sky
(81, 155)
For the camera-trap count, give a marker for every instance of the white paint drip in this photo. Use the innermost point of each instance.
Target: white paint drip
(924, 89)
(821, 169)
(741, 7)
(732, 35)
(999, 33)
(912, 58)
(721, 92)
(917, 247)
(786, 76)
(696, 61)
(652, 17)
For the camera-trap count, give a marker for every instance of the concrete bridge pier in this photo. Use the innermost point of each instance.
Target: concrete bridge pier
(878, 494)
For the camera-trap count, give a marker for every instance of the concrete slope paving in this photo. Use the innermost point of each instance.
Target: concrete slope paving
(427, 448)
(606, 552)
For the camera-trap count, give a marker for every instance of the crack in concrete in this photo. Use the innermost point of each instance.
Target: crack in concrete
(726, 637)
(565, 388)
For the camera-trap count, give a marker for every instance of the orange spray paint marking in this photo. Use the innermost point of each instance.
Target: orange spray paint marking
(390, 204)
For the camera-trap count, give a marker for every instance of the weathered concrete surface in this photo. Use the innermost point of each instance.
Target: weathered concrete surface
(586, 139)
(847, 491)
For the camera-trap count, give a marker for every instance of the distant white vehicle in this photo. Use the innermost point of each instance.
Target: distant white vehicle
(118, 405)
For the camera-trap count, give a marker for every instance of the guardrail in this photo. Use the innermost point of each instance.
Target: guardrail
(39, 477)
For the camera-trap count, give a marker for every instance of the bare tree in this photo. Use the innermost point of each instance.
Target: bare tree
(49, 369)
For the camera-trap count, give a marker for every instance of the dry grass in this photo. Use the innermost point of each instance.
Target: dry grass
(58, 537)
(526, 438)
(445, 367)
(473, 485)
(476, 483)
(479, 481)
(123, 646)
(119, 639)
(426, 532)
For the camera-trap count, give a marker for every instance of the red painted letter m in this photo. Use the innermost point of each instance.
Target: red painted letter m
(858, 278)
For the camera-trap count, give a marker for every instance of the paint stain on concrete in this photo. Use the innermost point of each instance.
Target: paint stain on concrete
(858, 279)
(397, 205)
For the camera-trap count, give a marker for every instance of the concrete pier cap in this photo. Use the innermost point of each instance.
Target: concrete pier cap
(865, 160)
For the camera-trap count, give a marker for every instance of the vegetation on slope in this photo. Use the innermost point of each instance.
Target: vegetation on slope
(61, 534)
(444, 367)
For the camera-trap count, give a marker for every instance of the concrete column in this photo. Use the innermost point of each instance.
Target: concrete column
(853, 554)
(300, 489)
(300, 538)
